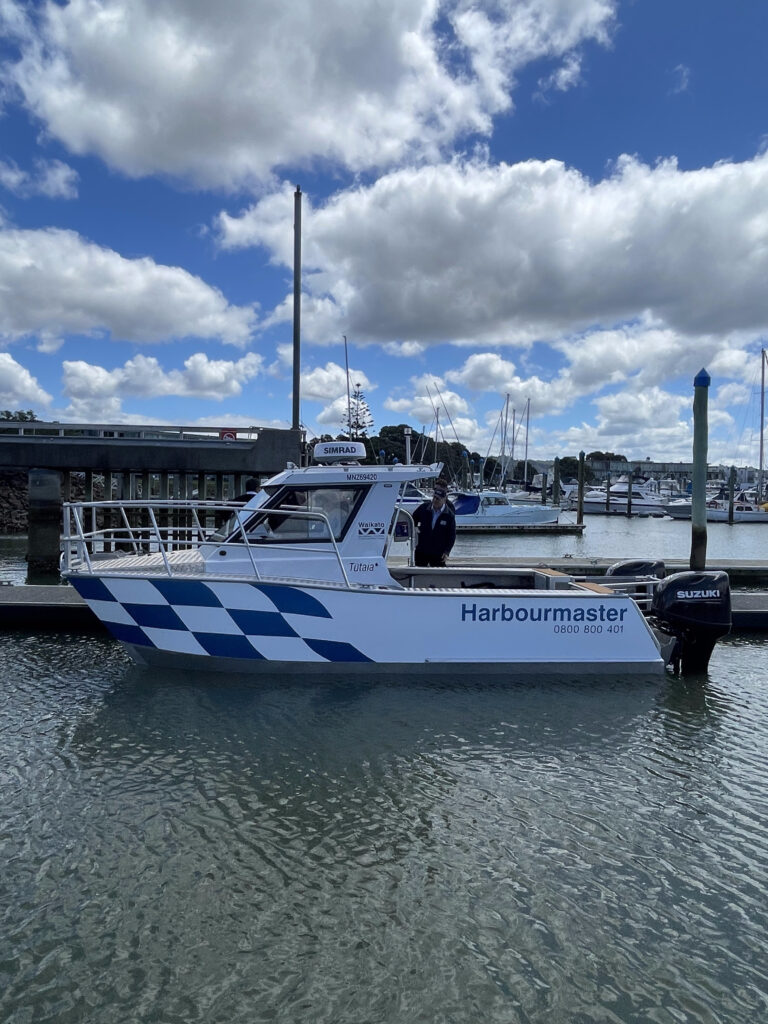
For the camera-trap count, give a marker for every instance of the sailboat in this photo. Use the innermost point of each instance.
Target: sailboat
(495, 510)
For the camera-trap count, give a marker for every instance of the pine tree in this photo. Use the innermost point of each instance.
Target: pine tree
(360, 420)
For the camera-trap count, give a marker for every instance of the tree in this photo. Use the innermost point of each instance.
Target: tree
(359, 421)
(605, 457)
(569, 469)
(20, 414)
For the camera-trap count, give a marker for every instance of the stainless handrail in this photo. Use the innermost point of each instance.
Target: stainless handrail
(197, 534)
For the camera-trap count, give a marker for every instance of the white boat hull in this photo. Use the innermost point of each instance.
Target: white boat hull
(540, 515)
(718, 515)
(618, 506)
(257, 626)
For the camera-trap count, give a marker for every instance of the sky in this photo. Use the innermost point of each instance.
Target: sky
(560, 201)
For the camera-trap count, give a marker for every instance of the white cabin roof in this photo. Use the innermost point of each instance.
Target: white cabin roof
(354, 473)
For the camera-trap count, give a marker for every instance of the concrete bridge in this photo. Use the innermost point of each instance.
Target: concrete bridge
(124, 448)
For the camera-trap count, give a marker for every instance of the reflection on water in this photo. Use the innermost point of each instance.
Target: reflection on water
(180, 849)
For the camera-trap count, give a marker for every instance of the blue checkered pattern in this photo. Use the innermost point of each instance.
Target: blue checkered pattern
(256, 621)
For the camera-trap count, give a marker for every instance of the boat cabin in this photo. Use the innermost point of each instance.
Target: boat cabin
(327, 522)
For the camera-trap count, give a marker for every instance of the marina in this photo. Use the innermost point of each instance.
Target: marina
(172, 840)
(331, 692)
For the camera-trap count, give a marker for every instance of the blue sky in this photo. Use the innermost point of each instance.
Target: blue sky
(561, 200)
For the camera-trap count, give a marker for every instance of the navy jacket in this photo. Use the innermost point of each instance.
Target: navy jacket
(433, 543)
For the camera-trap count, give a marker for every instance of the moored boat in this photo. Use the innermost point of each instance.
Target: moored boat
(717, 510)
(624, 496)
(494, 510)
(298, 579)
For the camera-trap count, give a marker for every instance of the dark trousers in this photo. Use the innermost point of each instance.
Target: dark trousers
(423, 558)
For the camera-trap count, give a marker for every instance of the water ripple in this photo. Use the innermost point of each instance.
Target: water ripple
(209, 850)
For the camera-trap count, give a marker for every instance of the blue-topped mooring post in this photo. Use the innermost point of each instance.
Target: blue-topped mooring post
(701, 384)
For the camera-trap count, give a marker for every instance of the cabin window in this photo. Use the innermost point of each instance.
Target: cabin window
(275, 523)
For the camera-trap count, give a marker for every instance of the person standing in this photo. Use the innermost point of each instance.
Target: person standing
(436, 525)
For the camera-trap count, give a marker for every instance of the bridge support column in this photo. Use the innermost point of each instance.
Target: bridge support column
(44, 529)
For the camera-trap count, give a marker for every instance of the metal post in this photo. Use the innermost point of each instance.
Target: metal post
(407, 432)
(699, 480)
(296, 308)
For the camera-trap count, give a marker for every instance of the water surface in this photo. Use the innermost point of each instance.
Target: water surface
(181, 849)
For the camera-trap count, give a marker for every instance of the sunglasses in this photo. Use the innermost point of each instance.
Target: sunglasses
(439, 494)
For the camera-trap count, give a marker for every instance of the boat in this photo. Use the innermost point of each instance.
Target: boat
(301, 578)
(645, 499)
(717, 510)
(480, 511)
(412, 496)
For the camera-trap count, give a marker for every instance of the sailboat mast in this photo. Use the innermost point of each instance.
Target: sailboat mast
(504, 443)
(512, 444)
(527, 422)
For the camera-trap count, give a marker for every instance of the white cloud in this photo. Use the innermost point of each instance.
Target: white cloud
(428, 396)
(51, 178)
(507, 255)
(96, 393)
(334, 414)
(18, 388)
(682, 75)
(563, 78)
(487, 371)
(330, 381)
(224, 419)
(54, 282)
(143, 376)
(225, 94)
(404, 349)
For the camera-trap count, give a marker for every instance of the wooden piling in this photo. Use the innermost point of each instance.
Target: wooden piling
(701, 384)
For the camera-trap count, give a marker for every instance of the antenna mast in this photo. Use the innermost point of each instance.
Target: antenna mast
(763, 358)
(296, 308)
(349, 404)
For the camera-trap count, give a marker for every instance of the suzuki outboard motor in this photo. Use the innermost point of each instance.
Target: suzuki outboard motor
(637, 567)
(694, 607)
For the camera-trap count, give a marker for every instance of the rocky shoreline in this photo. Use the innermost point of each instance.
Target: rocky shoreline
(14, 502)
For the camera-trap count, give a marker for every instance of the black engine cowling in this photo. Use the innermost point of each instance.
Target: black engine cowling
(695, 607)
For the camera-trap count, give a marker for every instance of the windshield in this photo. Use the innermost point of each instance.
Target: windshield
(275, 523)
